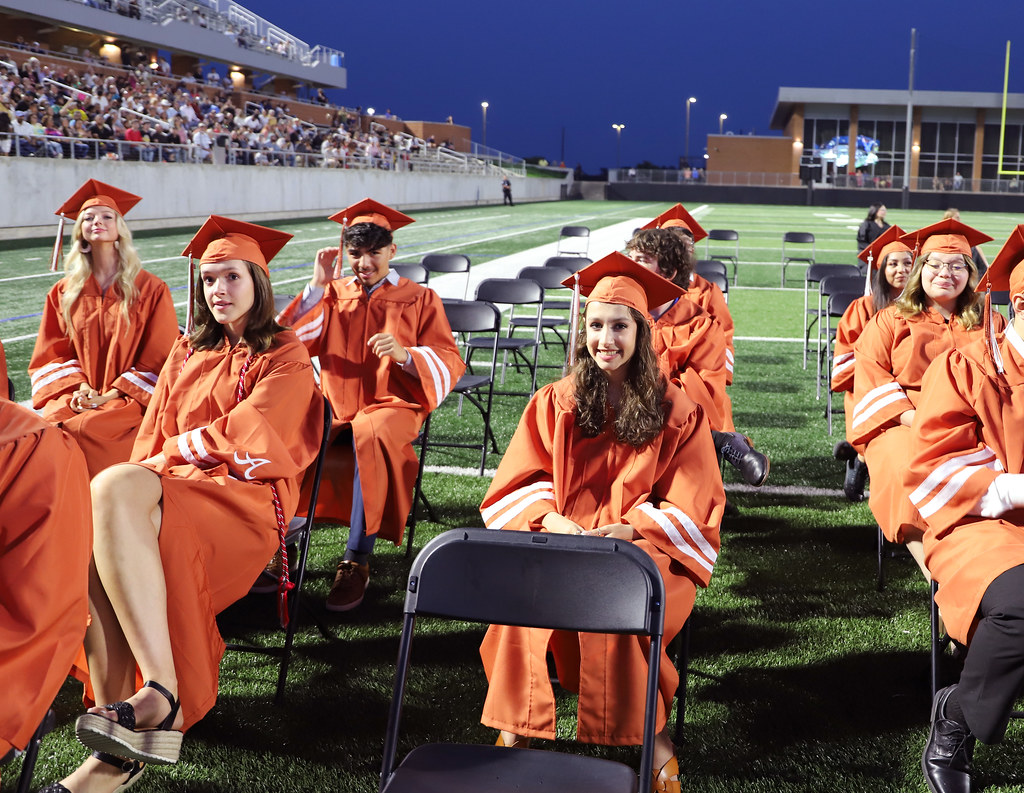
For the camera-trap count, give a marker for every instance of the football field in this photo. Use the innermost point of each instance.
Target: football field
(804, 677)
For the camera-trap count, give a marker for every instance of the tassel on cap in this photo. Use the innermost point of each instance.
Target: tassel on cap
(58, 245)
(574, 323)
(990, 333)
(867, 275)
(190, 311)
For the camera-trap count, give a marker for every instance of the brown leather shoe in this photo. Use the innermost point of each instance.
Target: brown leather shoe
(667, 778)
(349, 586)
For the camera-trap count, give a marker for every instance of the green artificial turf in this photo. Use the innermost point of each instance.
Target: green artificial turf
(803, 676)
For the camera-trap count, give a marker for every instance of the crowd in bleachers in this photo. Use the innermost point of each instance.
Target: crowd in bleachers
(138, 115)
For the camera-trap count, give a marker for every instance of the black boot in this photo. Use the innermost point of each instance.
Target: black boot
(946, 761)
(855, 479)
(844, 451)
(741, 455)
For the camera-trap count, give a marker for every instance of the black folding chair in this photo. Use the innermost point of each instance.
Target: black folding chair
(837, 305)
(533, 580)
(815, 274)
(464, 316)
(725, 235)
(515, 293)
(28, 762)
(570, 263)
(298, 537)
(573, 241)
(720, 280)
(706, 267)
(448, 263)
(801, 238)
(416, 273)
(550, 279)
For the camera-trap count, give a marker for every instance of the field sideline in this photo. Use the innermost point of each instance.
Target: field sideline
(803, 676)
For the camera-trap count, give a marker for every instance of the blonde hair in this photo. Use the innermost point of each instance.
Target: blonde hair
(78, 268)
(914, 301)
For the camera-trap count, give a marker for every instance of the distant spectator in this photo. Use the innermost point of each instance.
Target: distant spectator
(203, 144)
(872, 227)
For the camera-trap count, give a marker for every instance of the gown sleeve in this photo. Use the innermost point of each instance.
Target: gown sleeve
(159, 330)
(879, 399)
(55, 370)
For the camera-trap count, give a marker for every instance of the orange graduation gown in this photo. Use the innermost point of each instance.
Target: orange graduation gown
(710, 298)
(3, 373)
(104, 351)
(219, 527)
(851, 325)
(382, 401)
(691, 349)
(892, 355)
(670, 491)
(45, 545)
(968, 430)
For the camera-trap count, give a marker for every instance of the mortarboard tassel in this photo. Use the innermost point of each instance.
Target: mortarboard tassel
(574, 323)
(867, 275)
(990, 333)
(190, 311)
(58, 245)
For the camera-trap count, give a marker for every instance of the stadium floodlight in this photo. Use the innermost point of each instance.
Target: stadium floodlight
(618, 143)
(483, 107)
(686, 148)
(721, 121)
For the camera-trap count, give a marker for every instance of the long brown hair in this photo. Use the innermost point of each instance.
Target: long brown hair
(260, 330)
(914, 301)
(883, 294)
(641, 411)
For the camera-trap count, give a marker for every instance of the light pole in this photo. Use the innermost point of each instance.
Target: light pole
(721, 121)
(618, 143)
(686, 151)
(484, 106)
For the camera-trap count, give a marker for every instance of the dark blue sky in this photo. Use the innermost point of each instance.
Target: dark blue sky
(583, 65)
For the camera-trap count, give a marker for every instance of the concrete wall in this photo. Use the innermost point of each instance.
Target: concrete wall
(185, 195)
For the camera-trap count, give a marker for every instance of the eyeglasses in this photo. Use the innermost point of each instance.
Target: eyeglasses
(954, 269)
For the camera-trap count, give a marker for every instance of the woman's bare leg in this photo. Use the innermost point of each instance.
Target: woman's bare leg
(126, 526)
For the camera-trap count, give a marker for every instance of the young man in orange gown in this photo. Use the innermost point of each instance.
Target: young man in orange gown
(387, 358)
(966, 478)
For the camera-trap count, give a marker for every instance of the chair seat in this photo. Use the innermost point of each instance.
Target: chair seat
(470, 382)
(504, 343)
(473, 768)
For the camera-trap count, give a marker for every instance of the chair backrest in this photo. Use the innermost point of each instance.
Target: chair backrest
(446, 262)
(547, 277)
(819, 271)
(708, 266)
(416, 273)
(281, 302)
(536, 580)
(472, 316)
(723, 235)
(719, 280)
(575, 239)
(513, 291)
(834, 284)
(798, 238)
(495, 577)
(838, 302)
(570, 263)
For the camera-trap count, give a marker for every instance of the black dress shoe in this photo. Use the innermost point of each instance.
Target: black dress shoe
(741, 455)
(844, 451)
(855, 479)
(946, 761)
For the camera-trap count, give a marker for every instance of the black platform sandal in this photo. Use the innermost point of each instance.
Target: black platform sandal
(160, 745)
(133, 768)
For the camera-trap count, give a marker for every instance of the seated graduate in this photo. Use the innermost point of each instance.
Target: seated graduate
(106, 330)
(938, 311)
(699, 289)
(889, 263)
(183, 530)
(678, 338)
(966, 475)
(387, 358)
(612, 450)
(45, 541)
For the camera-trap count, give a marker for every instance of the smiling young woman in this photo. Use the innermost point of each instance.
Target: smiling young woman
(613, 450)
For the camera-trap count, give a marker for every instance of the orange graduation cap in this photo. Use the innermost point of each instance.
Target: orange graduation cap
(370, 211)
(616, 278)
(91, 194)
(679, 217)
(946, 236)
(220, 239)
(889, 241)
(1004, 274)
